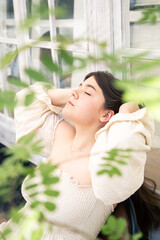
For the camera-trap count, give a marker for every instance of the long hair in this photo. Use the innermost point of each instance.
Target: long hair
(146, 201)
(147, 206)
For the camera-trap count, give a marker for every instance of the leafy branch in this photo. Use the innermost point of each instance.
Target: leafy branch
(116, 229)
(151, 15)
(114, 156)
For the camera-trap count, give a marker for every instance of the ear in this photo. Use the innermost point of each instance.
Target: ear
(106, 116)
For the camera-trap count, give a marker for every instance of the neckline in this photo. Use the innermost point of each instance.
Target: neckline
(72, 179)
(68, 176)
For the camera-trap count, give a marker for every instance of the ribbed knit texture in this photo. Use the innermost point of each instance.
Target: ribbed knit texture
(79, 213)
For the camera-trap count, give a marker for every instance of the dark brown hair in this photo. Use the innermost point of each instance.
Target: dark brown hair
(113, 96)
(147, 206)
(146, 201)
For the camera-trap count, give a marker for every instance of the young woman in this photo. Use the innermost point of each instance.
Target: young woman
(78, 126)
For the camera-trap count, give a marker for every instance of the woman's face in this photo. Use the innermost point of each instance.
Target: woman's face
(85, 104)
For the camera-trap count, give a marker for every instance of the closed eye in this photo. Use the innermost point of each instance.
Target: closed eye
(87, 93)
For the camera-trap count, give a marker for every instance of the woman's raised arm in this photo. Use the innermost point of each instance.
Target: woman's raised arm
(42, 115)
(59, 96)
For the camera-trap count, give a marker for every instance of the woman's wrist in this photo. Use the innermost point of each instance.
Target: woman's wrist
(59, 96)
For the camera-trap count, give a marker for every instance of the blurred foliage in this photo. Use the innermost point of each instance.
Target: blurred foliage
(41, 11)
(143, 89)
(112, 160)
(115, 228)
(150, 15)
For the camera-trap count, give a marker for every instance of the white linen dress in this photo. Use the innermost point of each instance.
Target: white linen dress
(85, 208)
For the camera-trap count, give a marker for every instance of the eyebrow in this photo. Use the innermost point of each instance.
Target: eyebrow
(88, 85)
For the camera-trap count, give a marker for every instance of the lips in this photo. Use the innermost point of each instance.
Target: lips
(70, 103)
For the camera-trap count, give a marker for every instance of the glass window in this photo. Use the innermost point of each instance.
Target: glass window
(151, 72)
(140, 37)
(7, 22)
(12, 70)
(69, 22)
(143, 35)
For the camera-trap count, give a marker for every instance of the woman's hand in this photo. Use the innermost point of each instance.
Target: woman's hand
(129, 107)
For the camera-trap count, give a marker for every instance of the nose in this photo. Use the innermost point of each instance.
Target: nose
(75, 94)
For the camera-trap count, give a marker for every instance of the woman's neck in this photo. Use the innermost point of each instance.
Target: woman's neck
(84, 139)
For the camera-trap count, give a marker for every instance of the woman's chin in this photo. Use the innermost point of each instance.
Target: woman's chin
(66, 113)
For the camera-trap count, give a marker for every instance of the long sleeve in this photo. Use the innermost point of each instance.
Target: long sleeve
(124, 131)
(40, 116)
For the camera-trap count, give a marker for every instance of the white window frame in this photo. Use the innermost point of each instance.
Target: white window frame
(122, 21)
(113, 15)
(7, 133)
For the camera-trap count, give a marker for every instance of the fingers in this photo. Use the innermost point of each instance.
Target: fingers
(129, 107)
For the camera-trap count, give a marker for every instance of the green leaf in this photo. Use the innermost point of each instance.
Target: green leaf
(50, 65)
(27, 138)
(31, 186)
(114, 228)
(154, 19)
(29, 98)
(36, 75)
(37, 234)
(16, 216)
(50, 206)
(38, 11)
(6, 60)
(137, 236)
(35, 204)
(7, 99)
(52, 193)
(151, 82)
(150, 14)
(50, 180)
(5, 232)
(17, 82)
(121, 162)
(110, 226)
(37, 147)
(146, 66)
(47, 168)
(33, 195)
(66, 56)
(121, 225)
(60, 12)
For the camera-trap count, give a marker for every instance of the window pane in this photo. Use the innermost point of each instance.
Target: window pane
(143, 35)
(139, 3)
(70, 77)
(155, 71)
(7, 22)
(68, 6)
(32, 9)
(36, 55)
(12, 70)
(42, 18)
(69, 22)
(72, 22)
